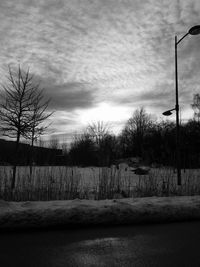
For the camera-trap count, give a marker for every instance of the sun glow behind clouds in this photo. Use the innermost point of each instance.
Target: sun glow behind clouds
(104, 112)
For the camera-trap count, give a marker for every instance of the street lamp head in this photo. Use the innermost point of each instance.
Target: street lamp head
(194, 30)
(167, 113)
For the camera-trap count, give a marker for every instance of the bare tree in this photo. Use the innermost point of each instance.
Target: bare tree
(140, 121)
(196, 107)
(136, 127)
(99, 133)
(15, 106)
(21, 111)
(37, 115)
(98, 130)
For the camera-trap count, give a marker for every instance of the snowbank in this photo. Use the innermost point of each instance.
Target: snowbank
(23, 215)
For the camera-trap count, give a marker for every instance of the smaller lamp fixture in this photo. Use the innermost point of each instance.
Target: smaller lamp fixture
(194, 30)
(168, 112)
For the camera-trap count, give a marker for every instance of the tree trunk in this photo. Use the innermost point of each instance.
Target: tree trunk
(15, 162)
(13, 177)
(31, 158)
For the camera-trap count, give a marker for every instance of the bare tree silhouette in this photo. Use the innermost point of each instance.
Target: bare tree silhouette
(98, 130)
(196, 107)
(21, 111)
(136, 127)
(37, 115)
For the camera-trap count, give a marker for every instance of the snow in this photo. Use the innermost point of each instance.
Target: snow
(68, 213)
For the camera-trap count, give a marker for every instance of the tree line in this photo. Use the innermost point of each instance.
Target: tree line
(142, 136)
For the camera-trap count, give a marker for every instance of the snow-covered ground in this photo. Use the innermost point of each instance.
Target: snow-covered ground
(21, 215)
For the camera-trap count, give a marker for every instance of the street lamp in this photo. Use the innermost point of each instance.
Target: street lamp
(168, 112)
(193, 31)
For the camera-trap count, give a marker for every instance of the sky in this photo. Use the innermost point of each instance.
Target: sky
(100, 60)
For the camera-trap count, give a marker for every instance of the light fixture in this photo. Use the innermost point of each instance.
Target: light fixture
(194, 30)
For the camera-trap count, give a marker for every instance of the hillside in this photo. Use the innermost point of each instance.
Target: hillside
(41, 155)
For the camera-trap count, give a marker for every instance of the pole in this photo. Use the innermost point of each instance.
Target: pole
(177, 118)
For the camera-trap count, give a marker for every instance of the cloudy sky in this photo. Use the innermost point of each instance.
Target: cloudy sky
(102, 59)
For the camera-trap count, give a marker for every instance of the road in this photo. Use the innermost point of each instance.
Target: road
(175, 244)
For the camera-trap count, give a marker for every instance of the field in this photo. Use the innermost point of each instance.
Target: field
(54, 183)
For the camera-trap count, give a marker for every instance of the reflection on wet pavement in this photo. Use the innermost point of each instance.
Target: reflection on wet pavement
(151, 245)
(109, 251)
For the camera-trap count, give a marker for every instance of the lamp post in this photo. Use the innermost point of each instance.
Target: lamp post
(193, 31)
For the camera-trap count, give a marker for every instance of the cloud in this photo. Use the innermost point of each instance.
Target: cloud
(96, 51)
(63, 96)
(69, 96)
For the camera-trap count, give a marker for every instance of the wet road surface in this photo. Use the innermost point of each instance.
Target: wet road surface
(176, 244)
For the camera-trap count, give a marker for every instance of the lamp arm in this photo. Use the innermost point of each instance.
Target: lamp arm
(182, 38)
